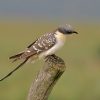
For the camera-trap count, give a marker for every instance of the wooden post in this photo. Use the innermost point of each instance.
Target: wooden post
(47, 77)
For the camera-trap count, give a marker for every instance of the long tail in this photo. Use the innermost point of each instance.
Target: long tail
(15, 68)
(16, 57)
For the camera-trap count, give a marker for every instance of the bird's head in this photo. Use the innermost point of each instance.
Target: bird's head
(67, 29)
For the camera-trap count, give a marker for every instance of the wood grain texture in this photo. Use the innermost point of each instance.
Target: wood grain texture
(47, 77)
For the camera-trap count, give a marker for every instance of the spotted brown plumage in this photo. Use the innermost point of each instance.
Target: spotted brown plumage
(42, 44)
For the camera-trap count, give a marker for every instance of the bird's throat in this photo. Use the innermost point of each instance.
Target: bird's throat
(60, 36)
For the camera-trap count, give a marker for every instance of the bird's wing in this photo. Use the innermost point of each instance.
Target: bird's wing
(31, 44)
(45, 42)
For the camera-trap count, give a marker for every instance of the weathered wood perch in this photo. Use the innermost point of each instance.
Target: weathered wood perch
(46, 78)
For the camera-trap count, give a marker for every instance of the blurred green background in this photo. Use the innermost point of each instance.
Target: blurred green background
(21, 22)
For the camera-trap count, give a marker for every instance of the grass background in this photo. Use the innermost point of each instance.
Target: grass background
(81, 53)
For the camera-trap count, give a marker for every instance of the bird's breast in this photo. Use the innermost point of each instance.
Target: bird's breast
(59, 43)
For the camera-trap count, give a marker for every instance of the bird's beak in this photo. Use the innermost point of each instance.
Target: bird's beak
(75, 32)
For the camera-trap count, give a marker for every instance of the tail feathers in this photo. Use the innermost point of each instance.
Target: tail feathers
(20, 65)
(16, 57)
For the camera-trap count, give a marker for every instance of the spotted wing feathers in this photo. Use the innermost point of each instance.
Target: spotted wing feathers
(42, 44)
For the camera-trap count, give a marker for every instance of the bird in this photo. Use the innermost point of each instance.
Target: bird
(46, 44)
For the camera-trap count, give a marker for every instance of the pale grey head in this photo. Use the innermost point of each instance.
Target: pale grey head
(67, 29)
